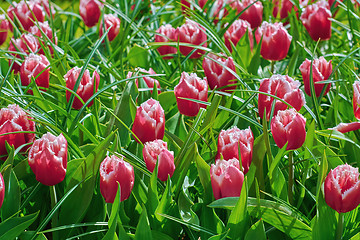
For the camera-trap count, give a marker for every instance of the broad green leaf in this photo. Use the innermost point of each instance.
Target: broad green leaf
(11, 204)
(138, 57)
(14, 226)
(143, 230)
(257, 231)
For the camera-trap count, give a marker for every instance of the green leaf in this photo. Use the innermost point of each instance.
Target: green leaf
(138, 57)
(257, 231)
(11, 204)
(13, 227)
(153, 201)
(143, 231)
(110, 235)
(255, 61)
(277, 179)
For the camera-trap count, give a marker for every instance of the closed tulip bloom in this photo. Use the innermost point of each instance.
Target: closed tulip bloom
(192, 33)
(288, 126)
(37, 67)
(113, 22)
(217, 75)
(166, 33)
(87, 87)
(14, 119)
(236, 31)
(356, 99)
(342, 188)
(276, 41)
(283, 87)
(48, 159)
(253, 14)
(287, 6)
(27, 12)
(149, 122)
(46, 29)
(157, 150)
(231, 140)
(2, 190)
(46, 5)
(4, 28)
(114, 170)
(149, 81)
(90, 11)
(316, 19)
(347, 127)
(321, 70)
(193, 87)
(189, 4)
(226, 178)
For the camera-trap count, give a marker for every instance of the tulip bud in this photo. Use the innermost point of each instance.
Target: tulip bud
(149, 81)
(342, 188)
(113, 22)
(276, 41)
(14, 119)
(193, 87)
(166, 33)
(4, 28)
(48, 159)
(114, 170)
(149, 122)
(321, 70)
(35, 66)
(346, 127)
(2, 190)
(253, 14)
(46, 5)
(287, 6)
(46, 29)
(316, 19)
(217, 75)
(288, 126)
(90, 11)
(87, 87)
(191, 32)
(157, 151)
(283, 87)
(356, 99)
(236, 31)
(27, 12)
(226, 178)
(231, 140)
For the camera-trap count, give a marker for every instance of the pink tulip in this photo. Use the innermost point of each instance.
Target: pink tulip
(253, 14)
(157, 150)
(236, 31)
(217, 75)
(149, 122)
(226, 178)
(2, 190)
(4, 28)
(192, 33)
(321, 70)
(86, 89)
(46, 29)
(113, 22)
(48, 159)
(114, 170)
(27, 12)
(231, 140)
(90, 11)
(193, 87)
(36, 67)
(356, 99)
(166, 33)
(287, 6)
(276, 41)
(316, 19)
(149, 81)
(283, 87)
(185, 5)
(288, 126)
(346, 127)
(14, 119)
(342, 188)
(46, 5)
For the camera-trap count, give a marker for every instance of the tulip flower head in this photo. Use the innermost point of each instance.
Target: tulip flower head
(90, 11)
(114, 170)
(166, 33)
(346, 127)
(356, 99)
(48, 159)
(226, 178)
(112, 21)
(253, 14)
(192, 33)
(157, 150)
(149, 81)
(342, 188)
(4, 28)
(288, 126)
(45, 28)
(236, 31)
(35, 66)
(193, 87)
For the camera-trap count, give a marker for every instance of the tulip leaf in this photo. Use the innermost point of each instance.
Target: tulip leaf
(138, 57)
(12, 227)
(165, 202)
(277, 179)
(255, 61)
(257, 231)
(153, 201)
(11, 204)
(143, 230)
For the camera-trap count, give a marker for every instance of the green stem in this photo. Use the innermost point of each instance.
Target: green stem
(54, 221)
(340, 227)
(81, 134)
(272, 66)
(291, 178)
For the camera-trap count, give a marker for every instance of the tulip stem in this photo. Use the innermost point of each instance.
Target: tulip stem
(291, 178)
(272, 66)
(54, 221)
(340, 226)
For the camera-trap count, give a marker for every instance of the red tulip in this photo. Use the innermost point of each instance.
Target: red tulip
(114, 170)
(27, 12)
(149, 81)
(283, 87)
(342, 188)
(90, 11)
(288, 126)
(36, 67)
(189, 4)
(157, 151)
(14, 119)
(226, 178)
(4, 28)
(166, 33)
(190, 86)
(87, 87)
(113, 22)
(316, 19)
(236, 31)
(46, 5)
(287, 6)
(149, 122)
(346, 127)
(48, 159)
(321, 70)
(276, 41)
(192, 33)
(231, 140)
(46, 29)
(217, 75)
(253, 14)
(2, 190)
(356, 99)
